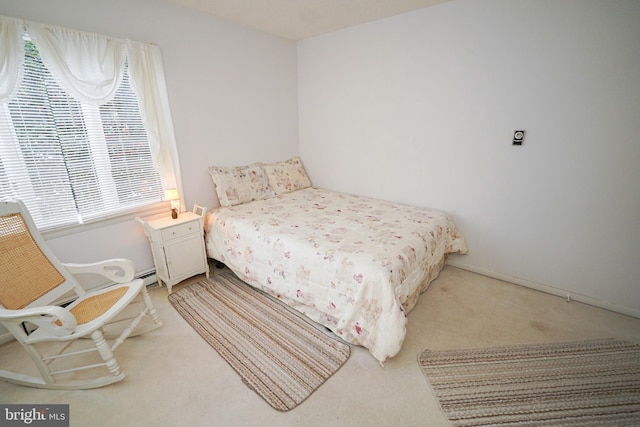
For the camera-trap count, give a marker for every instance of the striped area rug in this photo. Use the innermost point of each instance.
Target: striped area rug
(586, 383)
(276, 352)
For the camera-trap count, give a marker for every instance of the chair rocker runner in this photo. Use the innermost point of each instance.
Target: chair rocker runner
(32, 280)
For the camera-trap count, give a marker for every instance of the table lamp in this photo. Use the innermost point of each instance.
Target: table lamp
(171, 194)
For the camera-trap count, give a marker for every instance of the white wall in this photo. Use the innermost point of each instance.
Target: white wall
(418, 108)
(421, 108)
(232, 91)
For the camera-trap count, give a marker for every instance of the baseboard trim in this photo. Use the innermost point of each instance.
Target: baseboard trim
(568, 295)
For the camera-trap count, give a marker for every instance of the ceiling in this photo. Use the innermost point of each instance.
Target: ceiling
(300, 19)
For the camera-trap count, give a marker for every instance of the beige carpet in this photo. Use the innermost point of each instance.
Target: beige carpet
(586, 383)
(276, 352)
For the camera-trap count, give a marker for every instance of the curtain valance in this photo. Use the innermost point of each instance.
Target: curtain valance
(89, 66)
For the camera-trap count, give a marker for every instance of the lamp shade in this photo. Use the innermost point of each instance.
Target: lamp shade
(171, 194)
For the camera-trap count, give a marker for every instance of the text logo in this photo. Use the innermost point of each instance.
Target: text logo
(34, 415)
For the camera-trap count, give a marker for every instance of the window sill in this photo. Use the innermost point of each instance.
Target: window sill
(155, 209)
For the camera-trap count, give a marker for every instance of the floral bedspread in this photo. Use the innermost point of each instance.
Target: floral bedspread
(356, 265)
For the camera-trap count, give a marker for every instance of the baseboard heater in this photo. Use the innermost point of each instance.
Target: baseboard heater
(149, 278)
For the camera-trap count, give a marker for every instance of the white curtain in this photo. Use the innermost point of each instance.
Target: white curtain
(147, 79)
(89, 67)
(11, 57)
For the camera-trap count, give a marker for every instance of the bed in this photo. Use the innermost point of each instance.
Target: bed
(356, 265)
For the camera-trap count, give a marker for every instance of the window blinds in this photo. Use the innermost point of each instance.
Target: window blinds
(73, 162)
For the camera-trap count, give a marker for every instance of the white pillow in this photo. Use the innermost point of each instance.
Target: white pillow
(240, 184)
(287, 176)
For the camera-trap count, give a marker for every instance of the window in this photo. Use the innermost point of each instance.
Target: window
(69, 161)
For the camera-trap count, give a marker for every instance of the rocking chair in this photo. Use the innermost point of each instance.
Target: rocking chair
(33, 281)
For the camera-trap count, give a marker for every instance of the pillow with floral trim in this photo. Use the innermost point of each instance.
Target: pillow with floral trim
(240, 184)
(287, 176)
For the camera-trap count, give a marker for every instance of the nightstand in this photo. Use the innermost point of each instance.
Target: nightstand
(177, 246)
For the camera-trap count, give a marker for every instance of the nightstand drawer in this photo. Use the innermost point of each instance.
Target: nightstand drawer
(180, 230)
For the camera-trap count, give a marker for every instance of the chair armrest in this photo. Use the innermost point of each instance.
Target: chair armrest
(119, 270)
(53, 319)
